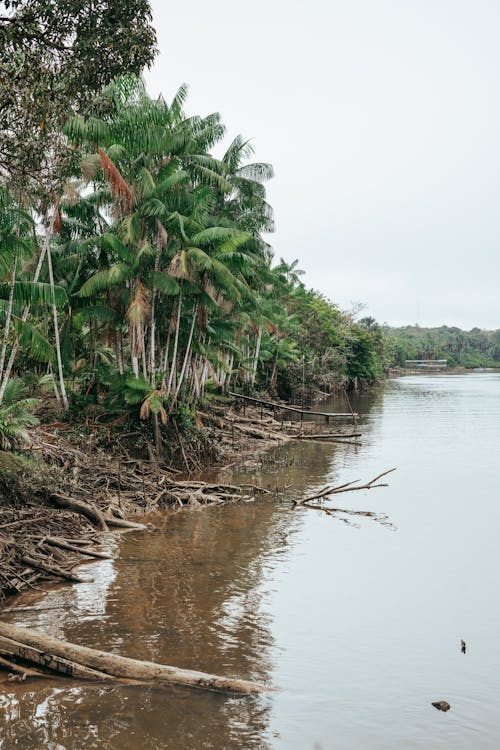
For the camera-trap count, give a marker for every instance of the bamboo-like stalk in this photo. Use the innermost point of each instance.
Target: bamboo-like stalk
(256, 356)
(173, 367)
(24, 317)
(188, 351)
(10, 305)
(57, 341)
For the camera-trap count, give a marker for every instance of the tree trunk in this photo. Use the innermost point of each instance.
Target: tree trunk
(10, 305)
(188, 352)
(24, 317)
(16, 641)
(54, 385)
(173, 367)
(256, 356)
(152, 342)
(135, 366)
(118, 352)
(56, 333)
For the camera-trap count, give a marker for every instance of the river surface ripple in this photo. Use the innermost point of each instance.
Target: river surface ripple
(359, 626)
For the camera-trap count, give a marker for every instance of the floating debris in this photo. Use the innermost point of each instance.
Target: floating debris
(441, 705)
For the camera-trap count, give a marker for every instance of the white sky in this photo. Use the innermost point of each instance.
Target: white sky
(382, 121)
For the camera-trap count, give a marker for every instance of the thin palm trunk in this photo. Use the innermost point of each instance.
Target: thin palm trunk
(152, 343)
(54, 384)
(24, 317)
(56, 333)
(164, 366)
(10, 305)
(230, 374)
(275, 368)
(173, 366)
(256, 356)
(143, 354)
(188, 352)
(118, 351)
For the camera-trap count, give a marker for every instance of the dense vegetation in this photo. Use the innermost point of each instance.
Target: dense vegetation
(134, 267)
(474, 348)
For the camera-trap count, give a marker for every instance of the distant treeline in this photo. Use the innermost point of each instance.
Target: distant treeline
(474, 348)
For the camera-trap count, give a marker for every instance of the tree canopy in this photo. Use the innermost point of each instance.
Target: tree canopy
(55, 58)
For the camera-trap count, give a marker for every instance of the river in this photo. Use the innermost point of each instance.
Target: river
(357, 623)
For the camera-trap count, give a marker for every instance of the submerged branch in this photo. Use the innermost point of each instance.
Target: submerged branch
(72, 660)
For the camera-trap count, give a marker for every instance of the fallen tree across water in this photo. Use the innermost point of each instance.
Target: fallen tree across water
(43, 655)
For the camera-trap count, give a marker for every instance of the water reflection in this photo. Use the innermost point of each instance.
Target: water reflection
(188, 594)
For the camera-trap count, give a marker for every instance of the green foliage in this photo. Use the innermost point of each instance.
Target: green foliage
(151, 280)
(136, 390)
(16, 415)
(55, 57)
(474, 348)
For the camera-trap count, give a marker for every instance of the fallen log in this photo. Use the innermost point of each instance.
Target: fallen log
(329, 436)
(27, 521)
(55, 570)
(259, 434)
(58, 664)
(286, 407)
(20, 673)
(122, 523)
(21, 640)
(331, 440)
(62, 544)
(63, 501)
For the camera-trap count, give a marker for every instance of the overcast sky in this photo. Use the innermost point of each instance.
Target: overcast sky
(382, 121)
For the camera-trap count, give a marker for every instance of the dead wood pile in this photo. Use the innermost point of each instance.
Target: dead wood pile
(53, 523)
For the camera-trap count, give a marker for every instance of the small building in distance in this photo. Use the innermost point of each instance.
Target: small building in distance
(426, 364)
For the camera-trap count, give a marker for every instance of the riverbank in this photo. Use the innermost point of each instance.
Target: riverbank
(60, 496)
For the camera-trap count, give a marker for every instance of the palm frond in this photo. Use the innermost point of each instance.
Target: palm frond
(165, 283)
(108, 277)
(35, 293)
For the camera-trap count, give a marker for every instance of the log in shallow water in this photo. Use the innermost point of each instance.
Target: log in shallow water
(80, 662)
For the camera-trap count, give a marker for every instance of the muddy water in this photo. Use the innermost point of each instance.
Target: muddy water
(358, 625)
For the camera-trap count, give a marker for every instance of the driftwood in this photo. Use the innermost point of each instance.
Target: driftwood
(286, 407)
(329, 439)
(348, 487)
(122, 523)
(86, 663)
(55, 570)
(55, 542)
(17, 672)
(49, 660)
(330, 436)
(95, 515)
